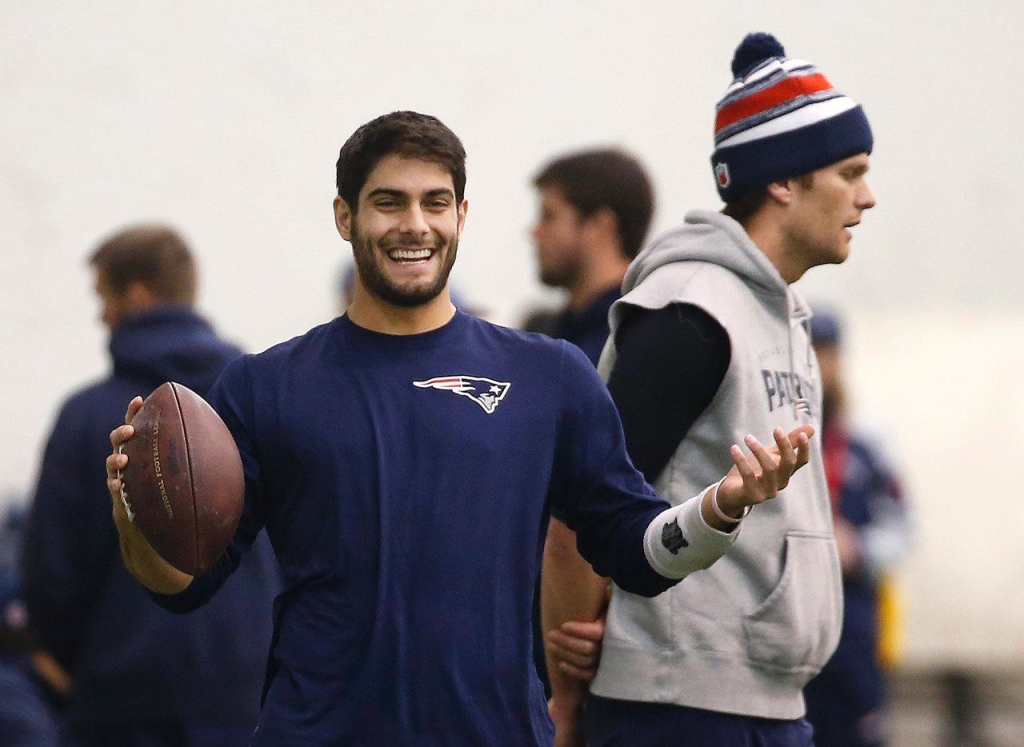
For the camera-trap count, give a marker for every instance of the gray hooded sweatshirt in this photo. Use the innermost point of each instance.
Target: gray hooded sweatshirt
(745, 635)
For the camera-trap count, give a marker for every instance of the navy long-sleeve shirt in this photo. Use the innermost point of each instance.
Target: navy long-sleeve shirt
(587, 329)
(405, 483)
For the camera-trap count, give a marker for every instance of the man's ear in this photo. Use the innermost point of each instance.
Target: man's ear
(781, 192)
(606, 221)
(139, 298)
(343, 218)
(463, 209)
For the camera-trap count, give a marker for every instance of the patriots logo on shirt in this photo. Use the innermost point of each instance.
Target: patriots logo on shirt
(485, 392)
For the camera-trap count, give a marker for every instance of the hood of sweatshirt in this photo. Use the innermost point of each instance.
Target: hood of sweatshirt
(707, 236)
(169, 343)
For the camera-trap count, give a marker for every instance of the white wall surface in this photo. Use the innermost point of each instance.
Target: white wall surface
(225, 118)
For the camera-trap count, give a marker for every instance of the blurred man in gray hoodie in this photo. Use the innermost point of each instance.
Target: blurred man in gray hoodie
(710, 343)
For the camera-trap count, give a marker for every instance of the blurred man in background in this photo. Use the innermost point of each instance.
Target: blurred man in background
(845, 702)
(140, 675)
(710, 342)
(595, 209)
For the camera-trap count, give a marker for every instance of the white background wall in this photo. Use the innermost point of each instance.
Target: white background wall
(226, 118)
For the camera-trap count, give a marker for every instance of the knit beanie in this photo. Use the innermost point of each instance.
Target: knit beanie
(780, 118)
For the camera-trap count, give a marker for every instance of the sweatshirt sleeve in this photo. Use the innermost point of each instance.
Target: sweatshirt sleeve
(232, 398)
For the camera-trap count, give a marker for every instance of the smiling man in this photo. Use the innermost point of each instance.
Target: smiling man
(710, 341)
(403, 459)
(409, 267)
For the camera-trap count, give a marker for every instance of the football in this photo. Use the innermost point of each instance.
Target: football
(183, 486)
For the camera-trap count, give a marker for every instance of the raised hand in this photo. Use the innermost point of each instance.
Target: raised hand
(760, 476)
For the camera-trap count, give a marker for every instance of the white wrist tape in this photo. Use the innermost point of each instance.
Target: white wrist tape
(679, 541)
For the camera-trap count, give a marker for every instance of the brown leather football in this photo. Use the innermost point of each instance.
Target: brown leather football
(183, 486)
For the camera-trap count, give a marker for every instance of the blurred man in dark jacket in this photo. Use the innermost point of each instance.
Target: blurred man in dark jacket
(594, 210)
(141, 675)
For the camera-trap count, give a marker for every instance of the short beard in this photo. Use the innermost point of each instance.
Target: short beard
(566, 276)
(376, 281)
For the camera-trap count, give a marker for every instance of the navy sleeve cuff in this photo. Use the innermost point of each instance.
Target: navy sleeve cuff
(201, 589)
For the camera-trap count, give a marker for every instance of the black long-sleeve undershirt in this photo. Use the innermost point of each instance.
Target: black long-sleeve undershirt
(670, 363)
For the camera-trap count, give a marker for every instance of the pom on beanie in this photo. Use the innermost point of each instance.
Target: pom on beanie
(753, 50)
(780, 118)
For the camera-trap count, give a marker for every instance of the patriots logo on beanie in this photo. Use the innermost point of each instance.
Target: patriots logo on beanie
(780, 118)
(722, 174)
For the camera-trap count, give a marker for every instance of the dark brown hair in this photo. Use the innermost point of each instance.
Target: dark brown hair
(742, 208)
(407, 134)
(154, 255)
(605, 178)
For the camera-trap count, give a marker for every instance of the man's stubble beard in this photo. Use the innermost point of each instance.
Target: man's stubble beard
(376, 281)
(555, 278)
(566, 275)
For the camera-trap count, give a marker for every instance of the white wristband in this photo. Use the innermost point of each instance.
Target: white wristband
(718, 509)
(678, 541)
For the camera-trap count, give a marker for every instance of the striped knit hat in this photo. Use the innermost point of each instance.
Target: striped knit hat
(780, 118)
